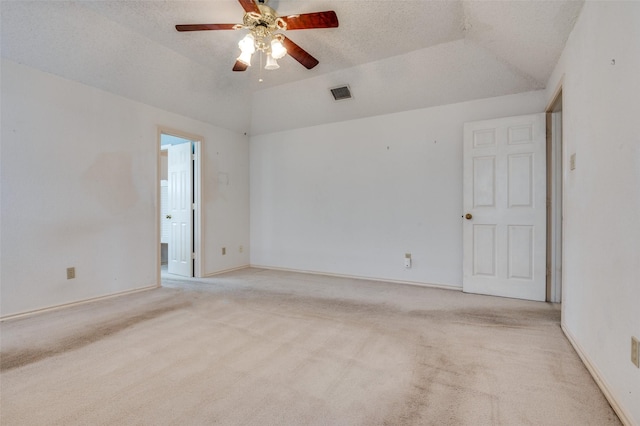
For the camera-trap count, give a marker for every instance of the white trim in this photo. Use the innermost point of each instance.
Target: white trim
(557, 196)
(604, 386)
(358, 277)
(224, 271)
(556, 207)
(158, 208)
(77, 303)
(554, 97)
(198, 245)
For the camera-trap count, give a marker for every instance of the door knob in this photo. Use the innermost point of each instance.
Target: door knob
(468, 216)
(168, 216)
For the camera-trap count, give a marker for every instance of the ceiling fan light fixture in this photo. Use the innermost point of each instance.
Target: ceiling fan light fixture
(247, 48)
(272, 64)
(245, 58)
(277, 48)
(247, 44)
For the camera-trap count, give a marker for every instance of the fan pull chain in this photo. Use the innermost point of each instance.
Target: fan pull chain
(260, 76)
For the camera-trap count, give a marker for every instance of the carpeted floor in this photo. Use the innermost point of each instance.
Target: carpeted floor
(258, 347)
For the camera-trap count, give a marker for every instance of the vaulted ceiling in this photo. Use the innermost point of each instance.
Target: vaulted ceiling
(395, 54)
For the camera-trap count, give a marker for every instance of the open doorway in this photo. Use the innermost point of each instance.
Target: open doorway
(555, 159)
(179, 247)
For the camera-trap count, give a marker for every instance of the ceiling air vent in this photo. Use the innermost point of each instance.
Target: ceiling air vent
(341, 93)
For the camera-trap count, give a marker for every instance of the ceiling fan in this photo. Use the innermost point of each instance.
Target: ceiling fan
(263, 24)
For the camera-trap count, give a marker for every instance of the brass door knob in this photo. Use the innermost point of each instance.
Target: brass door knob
(468, 216)
(169, 216)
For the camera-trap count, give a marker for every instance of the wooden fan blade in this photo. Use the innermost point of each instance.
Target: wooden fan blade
(239, 66)
(299, 54)
(204, 27)
(327, 19)
(249, 6)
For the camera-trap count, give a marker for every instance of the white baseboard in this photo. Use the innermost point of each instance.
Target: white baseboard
(624, 417)
(76, 303)
(358, 277)
(224, 271)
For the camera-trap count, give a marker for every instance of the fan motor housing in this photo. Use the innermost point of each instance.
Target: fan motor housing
(266, 18)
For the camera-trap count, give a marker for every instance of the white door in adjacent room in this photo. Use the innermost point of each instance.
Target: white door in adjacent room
(180, 212)
(504, 200)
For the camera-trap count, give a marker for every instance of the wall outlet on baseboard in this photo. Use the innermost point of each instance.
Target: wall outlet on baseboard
(635, 351)
(71, 273)
(407, 260)
(224, 251)
(240, 249)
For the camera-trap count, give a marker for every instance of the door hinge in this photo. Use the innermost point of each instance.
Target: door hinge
(193, 206)
(193, 156)
(193, 255)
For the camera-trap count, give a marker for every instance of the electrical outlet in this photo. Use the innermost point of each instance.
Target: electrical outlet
(635, 351)
(407, 260)
(71, 273)
(224, 251)
(240, 249)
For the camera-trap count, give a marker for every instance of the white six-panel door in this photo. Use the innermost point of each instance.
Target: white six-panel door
(180, 167)
(504, 199)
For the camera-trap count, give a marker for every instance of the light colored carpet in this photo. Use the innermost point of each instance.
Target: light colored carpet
(257, 347)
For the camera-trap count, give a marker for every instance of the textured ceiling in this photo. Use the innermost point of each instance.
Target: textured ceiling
(428, 52)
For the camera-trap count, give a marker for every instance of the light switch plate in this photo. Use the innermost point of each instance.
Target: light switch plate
(635, 351)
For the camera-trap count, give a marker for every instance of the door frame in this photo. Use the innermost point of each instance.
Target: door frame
(555, 196)
(197, 142)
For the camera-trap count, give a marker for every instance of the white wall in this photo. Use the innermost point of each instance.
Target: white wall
(601, 110)
(353, 197)
(79, 179)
